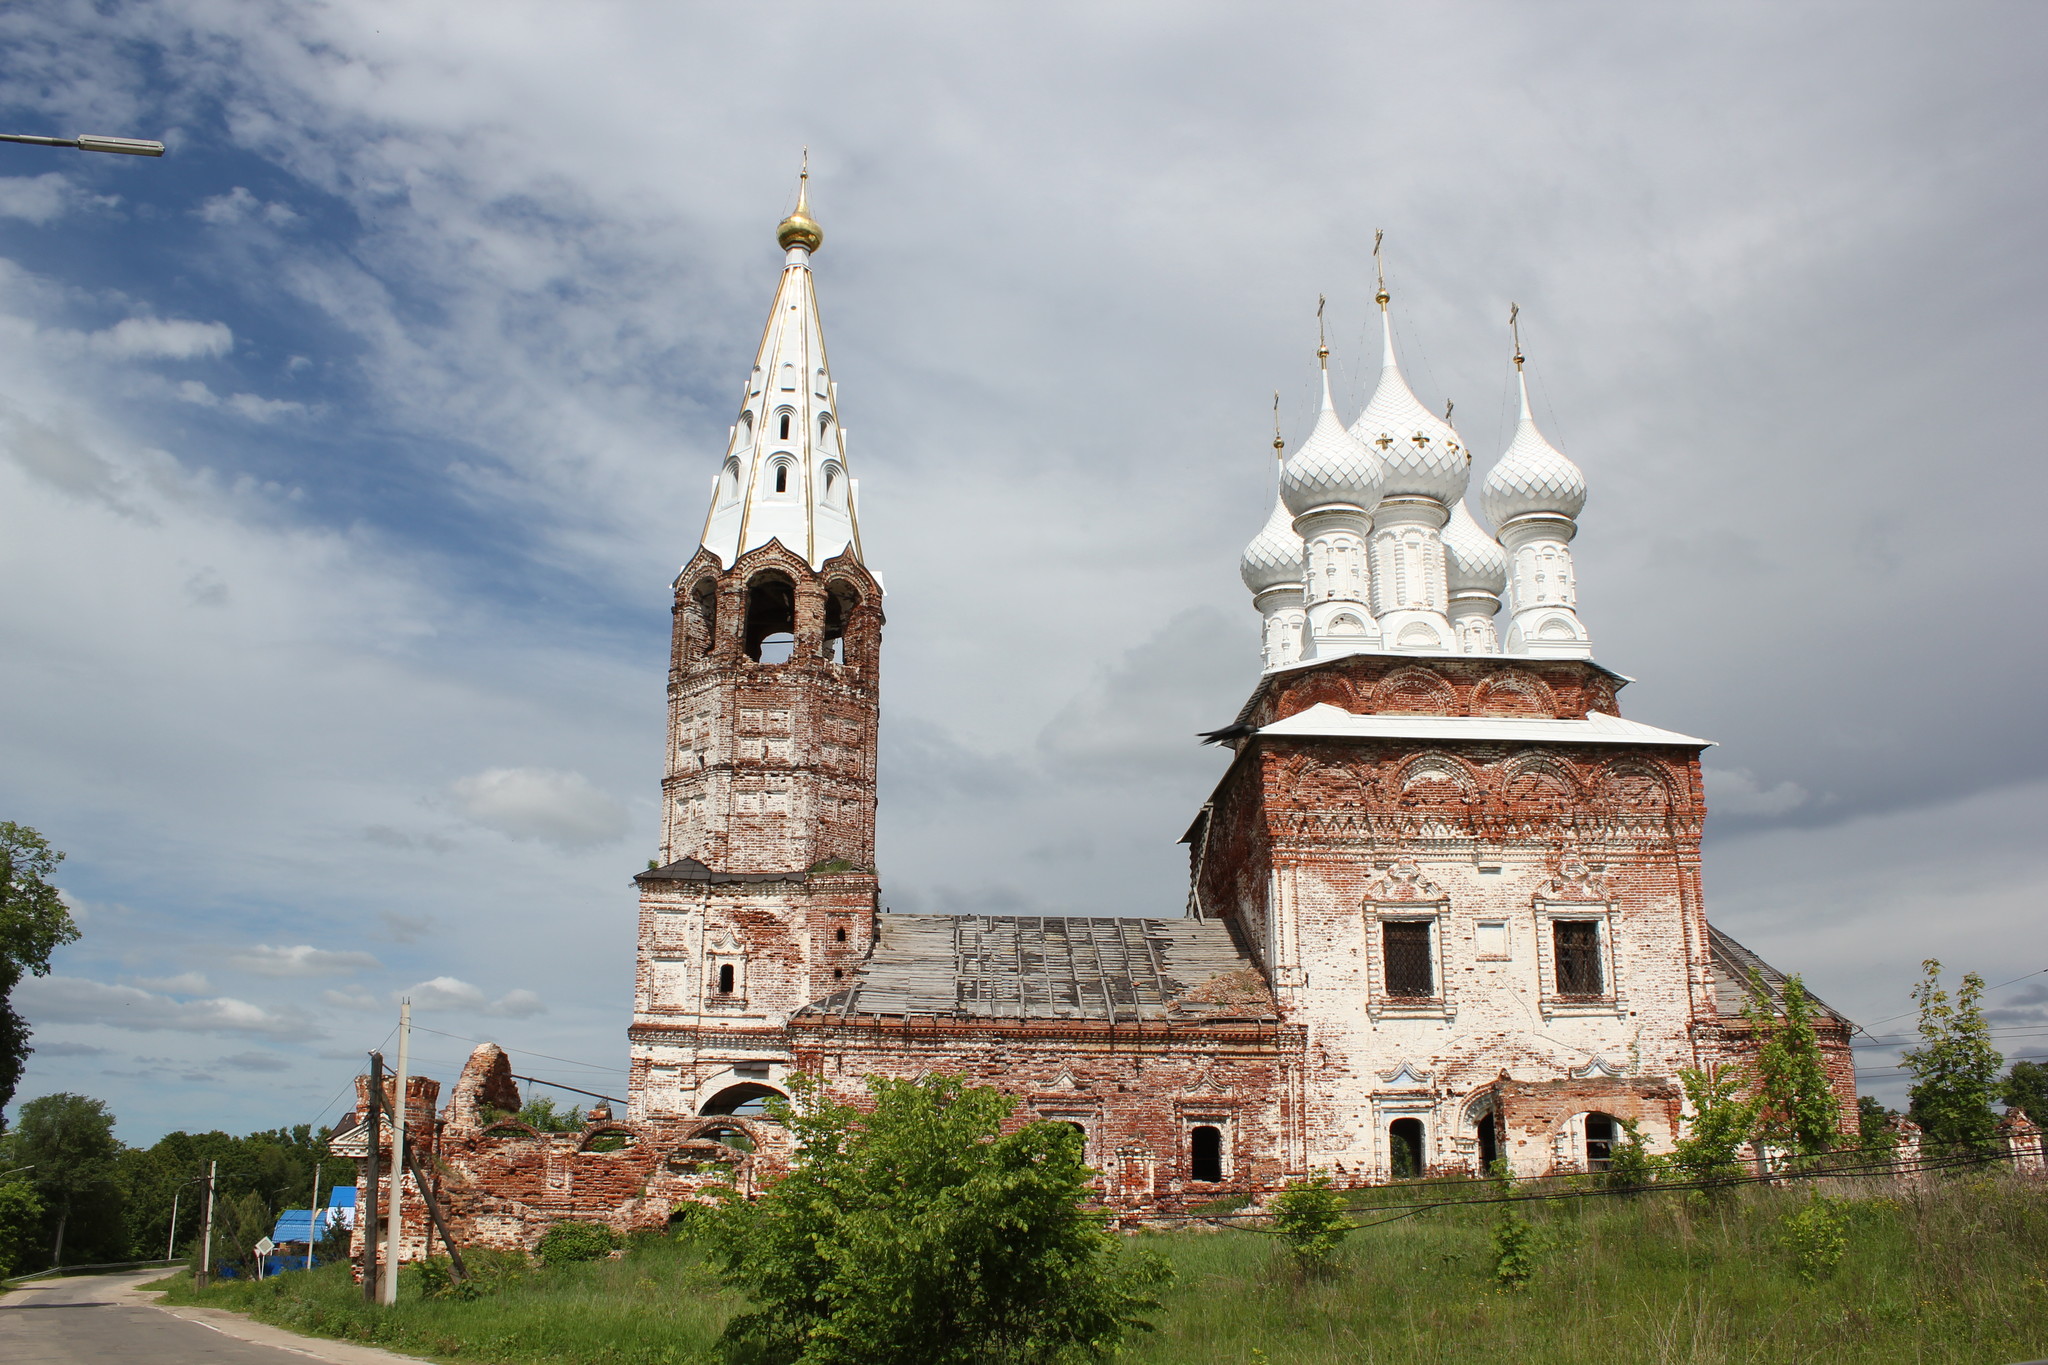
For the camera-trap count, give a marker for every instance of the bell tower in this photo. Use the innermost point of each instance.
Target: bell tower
(764, 893)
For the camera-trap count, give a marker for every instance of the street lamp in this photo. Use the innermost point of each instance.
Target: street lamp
(87, 142)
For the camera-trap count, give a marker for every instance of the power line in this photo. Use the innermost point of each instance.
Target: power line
(526, 1052)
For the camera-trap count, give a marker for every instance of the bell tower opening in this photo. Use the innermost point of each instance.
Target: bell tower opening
(771, 618)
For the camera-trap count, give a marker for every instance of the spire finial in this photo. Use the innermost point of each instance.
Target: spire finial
(1379, 268)
(1521, 377)
(1279, 445)
(800, 229)
(1448, 405)
(1322, 346)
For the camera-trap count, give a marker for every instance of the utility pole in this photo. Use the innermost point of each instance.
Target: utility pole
(313, 1216)
(206, 1229)
(394, 1219)
(368, 1217)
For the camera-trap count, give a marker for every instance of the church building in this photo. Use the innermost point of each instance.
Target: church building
(1445, 904)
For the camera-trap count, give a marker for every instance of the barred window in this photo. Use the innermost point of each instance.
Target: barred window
(1578, 957)
(1406, 943)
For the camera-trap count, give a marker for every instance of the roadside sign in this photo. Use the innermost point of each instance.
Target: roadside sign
(265, 1247)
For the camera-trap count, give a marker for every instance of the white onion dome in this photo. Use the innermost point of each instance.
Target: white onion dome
(1273, 559)
(1473, 560)
(1331, 467)
(1533, 477)
(1422, 452)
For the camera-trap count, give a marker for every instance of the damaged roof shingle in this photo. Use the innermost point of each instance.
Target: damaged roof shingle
(1054, 967)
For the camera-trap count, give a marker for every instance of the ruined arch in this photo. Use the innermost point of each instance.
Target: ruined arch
(744, 1099)
(1414, 691)
(1514, 692)
(771, 615)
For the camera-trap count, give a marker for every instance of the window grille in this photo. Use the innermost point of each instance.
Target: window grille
(1578, 957)
(1407, 958)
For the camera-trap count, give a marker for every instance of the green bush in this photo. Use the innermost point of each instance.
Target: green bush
(570, 1241)
(1814, 1233)
(1309, 1217)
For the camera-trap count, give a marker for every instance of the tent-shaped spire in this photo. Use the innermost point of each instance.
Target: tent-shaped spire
(785, 472)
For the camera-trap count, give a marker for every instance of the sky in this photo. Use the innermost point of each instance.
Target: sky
(347, 454)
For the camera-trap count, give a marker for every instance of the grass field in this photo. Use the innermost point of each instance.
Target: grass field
(1950, 1272)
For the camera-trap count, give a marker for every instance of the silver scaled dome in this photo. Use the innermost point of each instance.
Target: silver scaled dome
(1473, 560)
(1533, 477)
(1423, 455)
(1331, 467)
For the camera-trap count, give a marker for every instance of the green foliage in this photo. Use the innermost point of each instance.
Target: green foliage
(2025, 1088)
(1816, 1236)
(33, 924)
(1723, 1115)
(1945, 1273)
(921, 1232)
(1517, 1250)
(540, 1113)
(1309, 1217)
(1955, 1068)
(69, 1140)
(278, 1165)
(1874, 1133)
(1796, 1108)
(21, 1226)
(570, 1241)
(239, 1222)
(1631, 1165)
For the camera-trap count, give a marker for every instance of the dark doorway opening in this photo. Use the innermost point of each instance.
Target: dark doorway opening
(1406, 1135)
(1205, 1153)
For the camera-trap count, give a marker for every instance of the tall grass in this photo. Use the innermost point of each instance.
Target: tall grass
(1952, 1271)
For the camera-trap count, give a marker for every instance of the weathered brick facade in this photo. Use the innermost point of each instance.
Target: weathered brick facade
(1445, 908)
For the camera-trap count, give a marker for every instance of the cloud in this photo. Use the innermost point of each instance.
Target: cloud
(41, 199)
(451, 993)
(405, 928)
(185, 983)
(1737, 791)
(75, 1000)
(300, 960)
(63, 1049)
(353, 998)
(256, 1061)
(240, 206)
(163, 339)
(248, 405)
(542, 805)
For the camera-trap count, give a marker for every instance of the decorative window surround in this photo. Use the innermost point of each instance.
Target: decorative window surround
(1613, 1000)
(1404, 895)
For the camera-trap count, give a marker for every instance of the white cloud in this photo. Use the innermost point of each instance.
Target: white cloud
(75, 1000)
(256, 1061)
(518, 1004)
(353, 998)
(445, 993)
(248, 405)
(541, 804)
(1737, 791)
(38, 198)
(185, 983)
(300, 960)
(239, 206)
(163, 339)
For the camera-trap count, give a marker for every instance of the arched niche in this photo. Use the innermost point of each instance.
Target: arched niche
(745, 1100)
(771, 616)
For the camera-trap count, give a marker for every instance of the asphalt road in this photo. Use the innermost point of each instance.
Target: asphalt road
(102, 1320)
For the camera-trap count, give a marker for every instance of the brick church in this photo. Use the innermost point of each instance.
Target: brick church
(1444, 906)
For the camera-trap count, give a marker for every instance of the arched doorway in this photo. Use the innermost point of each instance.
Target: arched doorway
(1406, 1139)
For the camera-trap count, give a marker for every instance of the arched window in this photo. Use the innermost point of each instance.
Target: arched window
(839, 936)
(1489, 1140)
(782, 478)
(726, 976)
(1602, 1131)
(840, 601)
(785, 426)
(745, 1100)
(1205, 1153)
(704, 596)
(771, 618)
(1406, 1138)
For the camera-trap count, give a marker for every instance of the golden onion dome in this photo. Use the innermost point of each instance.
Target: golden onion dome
(800, 229)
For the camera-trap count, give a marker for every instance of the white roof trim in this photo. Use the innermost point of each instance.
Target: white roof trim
(1325, 720)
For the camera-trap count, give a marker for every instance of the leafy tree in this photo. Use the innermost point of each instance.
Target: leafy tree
(1723, 1115)
(33, 924)
(1874, 1132)
(239, 1222)
(278, 1165)
(1309, 1217)
(2025, 1088)
(21, 1226)
(540, 1112)
(1955, 1068)
(922, 1233)
(69, 1140)
(1796, 1108)
(1630, 1165)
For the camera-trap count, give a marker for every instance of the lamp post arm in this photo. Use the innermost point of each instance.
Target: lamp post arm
(90, 142)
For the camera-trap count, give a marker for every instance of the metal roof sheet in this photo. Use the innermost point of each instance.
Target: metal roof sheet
(1735, 970)
(1054, 967)
(1326, 721)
